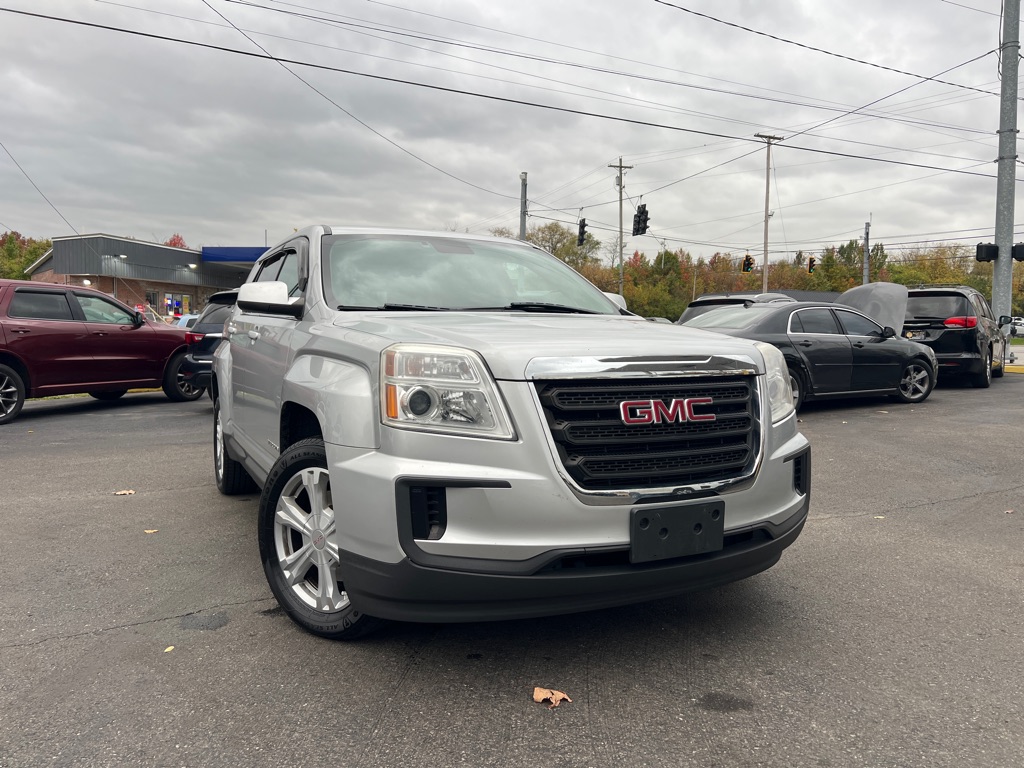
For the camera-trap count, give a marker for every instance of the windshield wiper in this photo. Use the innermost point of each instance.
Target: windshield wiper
(537, 306)
(400, 307)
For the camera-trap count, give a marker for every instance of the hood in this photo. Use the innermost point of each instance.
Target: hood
(510, 342)
(885, 303)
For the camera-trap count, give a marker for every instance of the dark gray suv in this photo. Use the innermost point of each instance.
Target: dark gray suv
(957, 322)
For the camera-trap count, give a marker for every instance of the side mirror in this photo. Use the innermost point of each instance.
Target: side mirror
(139, 319)
(1005, 320)
(888, 332)
(615, 299)
(269, 298)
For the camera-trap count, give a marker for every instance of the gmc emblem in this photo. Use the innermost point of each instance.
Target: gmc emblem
(658, 411)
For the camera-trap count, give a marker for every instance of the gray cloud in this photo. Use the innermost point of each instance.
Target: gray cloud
(145, 138)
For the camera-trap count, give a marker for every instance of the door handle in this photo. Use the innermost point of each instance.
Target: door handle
(254, 335)
(99, 333)
(230, 330)
(20, 330)
(859, 344)
(805, 343)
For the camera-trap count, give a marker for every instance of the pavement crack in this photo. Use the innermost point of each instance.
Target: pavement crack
(101, 630)
(906, 507)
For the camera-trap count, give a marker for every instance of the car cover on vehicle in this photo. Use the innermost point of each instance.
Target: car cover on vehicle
(885, 303)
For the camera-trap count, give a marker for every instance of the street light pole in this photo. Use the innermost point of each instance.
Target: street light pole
(620, 179)
(767, 188)
(522, 207)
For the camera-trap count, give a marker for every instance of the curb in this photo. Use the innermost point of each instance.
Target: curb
(1013, 368)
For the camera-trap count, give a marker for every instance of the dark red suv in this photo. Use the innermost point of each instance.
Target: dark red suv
(64, 339)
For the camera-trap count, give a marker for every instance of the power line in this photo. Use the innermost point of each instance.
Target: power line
(489, 97)
(576, 65)
(819, 50)
(36, 186)
(347, 112)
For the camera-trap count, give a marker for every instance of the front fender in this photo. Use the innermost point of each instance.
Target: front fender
(343, 396)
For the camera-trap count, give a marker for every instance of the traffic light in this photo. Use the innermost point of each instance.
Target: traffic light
(640, 220)
(1018, 252)
(642, 210)
(748, 263)
(583, 232)
(986, 252)
(812, 264)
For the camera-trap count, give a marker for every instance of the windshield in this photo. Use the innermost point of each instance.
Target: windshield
(738, 316)
(377, 271)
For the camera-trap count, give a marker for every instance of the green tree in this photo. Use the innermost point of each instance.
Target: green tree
(17, 252)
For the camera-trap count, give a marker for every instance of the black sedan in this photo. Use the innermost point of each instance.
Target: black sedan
(831, 350)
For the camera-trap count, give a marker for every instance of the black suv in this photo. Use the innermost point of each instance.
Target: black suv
(957, 323)
(205, 336)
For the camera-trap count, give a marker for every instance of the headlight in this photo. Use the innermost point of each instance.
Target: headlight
(776, 374)
(441, 389)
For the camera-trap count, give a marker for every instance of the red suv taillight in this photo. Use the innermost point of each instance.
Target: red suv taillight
(193, 338)
(961, 322)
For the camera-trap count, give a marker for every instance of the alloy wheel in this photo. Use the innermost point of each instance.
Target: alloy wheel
(9, 396)
(307, 552)
(915, 382)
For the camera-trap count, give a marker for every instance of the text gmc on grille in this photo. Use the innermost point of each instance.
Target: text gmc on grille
(601, 452)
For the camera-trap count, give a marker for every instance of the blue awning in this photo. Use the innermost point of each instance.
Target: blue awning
(236, 254)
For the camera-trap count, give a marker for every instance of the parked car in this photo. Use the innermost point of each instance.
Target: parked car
(204, 337)
(957, 322)
(62, 339)
(833, 349)
(504, 440)
(712, 301)
(186, 321)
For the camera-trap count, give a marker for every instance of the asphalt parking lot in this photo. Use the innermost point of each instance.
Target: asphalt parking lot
(138, 629)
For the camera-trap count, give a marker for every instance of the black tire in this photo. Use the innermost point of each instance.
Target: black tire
(916, 382)
(175, 386)
(320, 607)
(109, 395)
(230, 475)
(796, 383)
(12, 394)
(983, 378)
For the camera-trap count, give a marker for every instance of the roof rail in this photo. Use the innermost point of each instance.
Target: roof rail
(940, 285)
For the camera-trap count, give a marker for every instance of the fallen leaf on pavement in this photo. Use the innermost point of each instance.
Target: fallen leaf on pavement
(877, 517)
(124, 493)
(1009, 511)
(168, 649)
(548, 694)
(152, 530)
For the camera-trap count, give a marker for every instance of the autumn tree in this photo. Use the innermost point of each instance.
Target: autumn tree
(18, 252)
(176, 241)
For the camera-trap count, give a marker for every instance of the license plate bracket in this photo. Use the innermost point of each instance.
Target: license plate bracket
(914, 335)
(667, 532)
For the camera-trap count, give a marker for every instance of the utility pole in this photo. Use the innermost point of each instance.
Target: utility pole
(522, 207)
(767, 187)
(867, 254)
(620, 179)
(1002, 274)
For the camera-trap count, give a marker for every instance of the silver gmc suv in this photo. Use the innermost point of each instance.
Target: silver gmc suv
(453, 427)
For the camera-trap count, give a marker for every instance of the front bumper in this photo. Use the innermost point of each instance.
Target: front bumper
(405, 591)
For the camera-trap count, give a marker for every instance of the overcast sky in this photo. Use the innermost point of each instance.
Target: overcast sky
(133, 135)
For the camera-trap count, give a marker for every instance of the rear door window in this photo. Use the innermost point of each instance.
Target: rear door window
(815, 321)
(40, 305)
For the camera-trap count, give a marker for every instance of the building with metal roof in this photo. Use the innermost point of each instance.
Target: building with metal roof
(145, 275)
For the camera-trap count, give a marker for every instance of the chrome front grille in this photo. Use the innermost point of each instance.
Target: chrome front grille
(601, 452)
